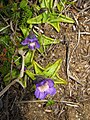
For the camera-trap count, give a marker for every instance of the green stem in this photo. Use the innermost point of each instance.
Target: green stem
(32, 55)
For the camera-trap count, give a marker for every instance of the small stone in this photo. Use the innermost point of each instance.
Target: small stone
(39, 105)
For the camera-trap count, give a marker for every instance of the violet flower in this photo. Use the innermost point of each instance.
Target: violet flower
(31, 41)
(44, 88)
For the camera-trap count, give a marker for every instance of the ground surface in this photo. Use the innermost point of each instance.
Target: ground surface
(73, 99)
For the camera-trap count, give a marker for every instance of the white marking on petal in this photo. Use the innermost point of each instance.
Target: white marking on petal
(32, 44)
(44, 87)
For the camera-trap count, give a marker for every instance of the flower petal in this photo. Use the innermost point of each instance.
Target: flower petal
(51, 91)
(25, 42)
(37, 93)
(50, 83)
(37, 44)
(32, 38)
(41, 83)
(42, 95)
(31, 47)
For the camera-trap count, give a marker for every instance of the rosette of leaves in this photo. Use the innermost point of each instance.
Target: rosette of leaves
(50, 16)
(50, 71)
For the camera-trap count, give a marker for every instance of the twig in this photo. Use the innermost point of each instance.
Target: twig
(84, 9)
(84, 33)
(68, 71)
(12, 63)
(66, 43)
(12, 36)
(41, 101)
(40, 30)
(74, 49)
(86, 21)
(4, 28)
(4, 19)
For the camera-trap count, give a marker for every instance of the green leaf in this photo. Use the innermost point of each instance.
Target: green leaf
(38, 69)
(8, 77)
(55, 25)
(42, 18)
(14, 8)
(23, 3)
(44, 40)
(23, 82)
(25, 31)
(47, 4)
(28, 57)
(17, 60)
(61, 5)
(35, 20)
(30, 74)
(51, 4)
(53, 69)
(58, 80)
(50, 102)
(62, 18)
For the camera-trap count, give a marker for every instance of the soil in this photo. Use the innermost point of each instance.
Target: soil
(72, 101)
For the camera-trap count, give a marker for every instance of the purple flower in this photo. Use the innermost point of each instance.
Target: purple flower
(31, 41)
(44, 88)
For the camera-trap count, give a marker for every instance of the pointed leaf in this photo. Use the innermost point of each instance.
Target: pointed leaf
(38, 68)
(25, 31)
(35, 20)
(50, 102)
(55, 25)
(23, 3)
(62, 18)
(23, 82)
(61, 5)
(52, 70)
(44, 40)
(30, 74)
(42, 18)
(28, 57)
(47, 4)
(59, 80)
(51, 4)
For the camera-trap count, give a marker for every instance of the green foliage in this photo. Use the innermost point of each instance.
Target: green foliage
(18, 13)
(61, 5)
(5, 67)
(25, 31)
(25, 14)
(28, 58)
(52, 69)
(46, 4)
(23, 4)
(38, 69)
(5, 41)
(14, 74)
(51, 17)
(6, 53)
(45, 41)
(50, 102)
(30, 74)
(49, 72)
